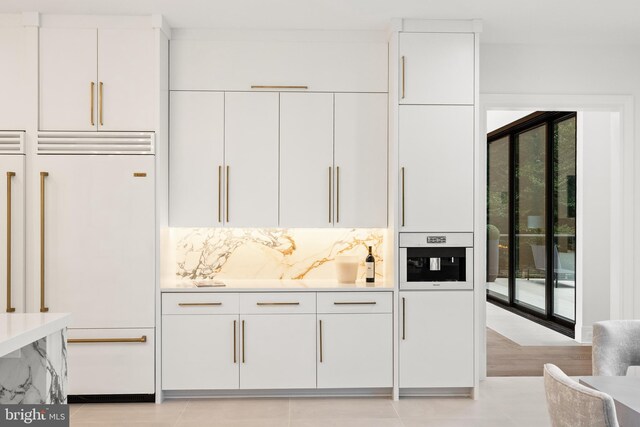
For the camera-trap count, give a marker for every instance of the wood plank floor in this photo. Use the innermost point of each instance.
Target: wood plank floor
(506, 358)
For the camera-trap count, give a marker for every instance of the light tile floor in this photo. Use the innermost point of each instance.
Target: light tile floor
(504, 402)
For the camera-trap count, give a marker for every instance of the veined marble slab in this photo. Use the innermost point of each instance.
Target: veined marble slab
(20, 329)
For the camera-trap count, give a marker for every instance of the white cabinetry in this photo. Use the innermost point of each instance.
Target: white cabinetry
(436, 339)
(436, 168)
(437, 68)
(96, 79)
(12, 78)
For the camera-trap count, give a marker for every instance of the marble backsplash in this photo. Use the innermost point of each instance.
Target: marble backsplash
(227, 253)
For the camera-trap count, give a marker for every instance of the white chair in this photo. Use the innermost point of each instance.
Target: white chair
(616, 347)
(571, 404)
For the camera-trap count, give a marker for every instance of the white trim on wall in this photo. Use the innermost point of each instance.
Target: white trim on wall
(622, 189)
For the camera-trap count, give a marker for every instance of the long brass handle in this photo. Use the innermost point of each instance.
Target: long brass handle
(227, 196)
(10, 309)
(321, 349)
(242, 341)
(91, 108)
(330, 191)
(403, 77)
(404, 321)
(277, 303)
(402, 195)
(278, 87)
(235, 354)
(219, 193)
(100, 102)
(198, 304)
(43, 308)
(337, 193)
(142, 339)
(355, 303)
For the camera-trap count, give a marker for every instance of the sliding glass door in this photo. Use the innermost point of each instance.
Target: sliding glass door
(531, 214)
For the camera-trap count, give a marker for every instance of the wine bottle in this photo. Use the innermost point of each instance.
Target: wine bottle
(370, 262)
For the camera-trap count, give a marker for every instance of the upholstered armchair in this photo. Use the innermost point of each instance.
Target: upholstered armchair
(616, 347)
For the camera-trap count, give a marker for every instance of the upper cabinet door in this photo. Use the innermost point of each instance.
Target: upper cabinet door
(360, 160)
(306, 159)
(251, 158)
(68, 76)
(12, 83)
(436, 68)
(196, 159)
(436, 168)
(125, 80)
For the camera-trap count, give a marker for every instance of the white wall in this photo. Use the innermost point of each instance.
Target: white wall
(573, 70)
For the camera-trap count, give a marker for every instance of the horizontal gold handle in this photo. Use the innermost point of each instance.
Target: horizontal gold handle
(139, 174)
(355, 303)
(106, 340)
(198, 304)
(278, 303)
(278, 87)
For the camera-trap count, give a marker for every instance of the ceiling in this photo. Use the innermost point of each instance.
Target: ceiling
(505, 21)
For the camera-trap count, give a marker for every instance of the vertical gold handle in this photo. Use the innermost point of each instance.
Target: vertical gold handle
(402, 196)
(404, 321)
(320, 341)
(43, 308)
(100, 102)
(235, 357)
(330, 191)
(227, 196)
(91, 108)
(10, 309)
(337, 194)
(403, 77)
(242, 341)
(219, 193)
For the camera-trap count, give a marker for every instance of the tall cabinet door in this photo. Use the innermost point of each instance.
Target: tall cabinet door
(12, 215)
(99, 250)
(251, 157)
(125, 79)
(436, 339)
(196, 159)
(68, 75)
(361, 160)
(436, 168)
(306, 159)
(437, 68)
(12, 78)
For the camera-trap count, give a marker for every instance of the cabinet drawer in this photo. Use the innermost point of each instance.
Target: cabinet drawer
(355, 302)
(200, 303)
(278, 303)
(122, 365)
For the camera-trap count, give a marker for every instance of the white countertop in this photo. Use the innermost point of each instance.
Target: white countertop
(20, 329)
(271, 285)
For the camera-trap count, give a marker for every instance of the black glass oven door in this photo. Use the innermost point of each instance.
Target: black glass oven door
(436, 265)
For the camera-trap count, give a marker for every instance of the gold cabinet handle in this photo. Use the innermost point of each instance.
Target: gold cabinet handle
(337, 193)
(91, 107)
(198, 304)
(278, 87)
(142, 339)
(403, 77)
(355, 303)
(402, 195)
(404, 320)
(321, 349)
(330, 191)
(100, 102)
(139, 174)
(242, 341)
(219, 193)
(277, 303)
(227, 196)
(43, 307)
(235, 355)
(10, 309)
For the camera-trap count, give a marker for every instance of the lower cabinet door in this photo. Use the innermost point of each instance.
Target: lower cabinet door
(200, 352)
(436, 339)
(355, 350)
(278, 351)
(97, 366)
